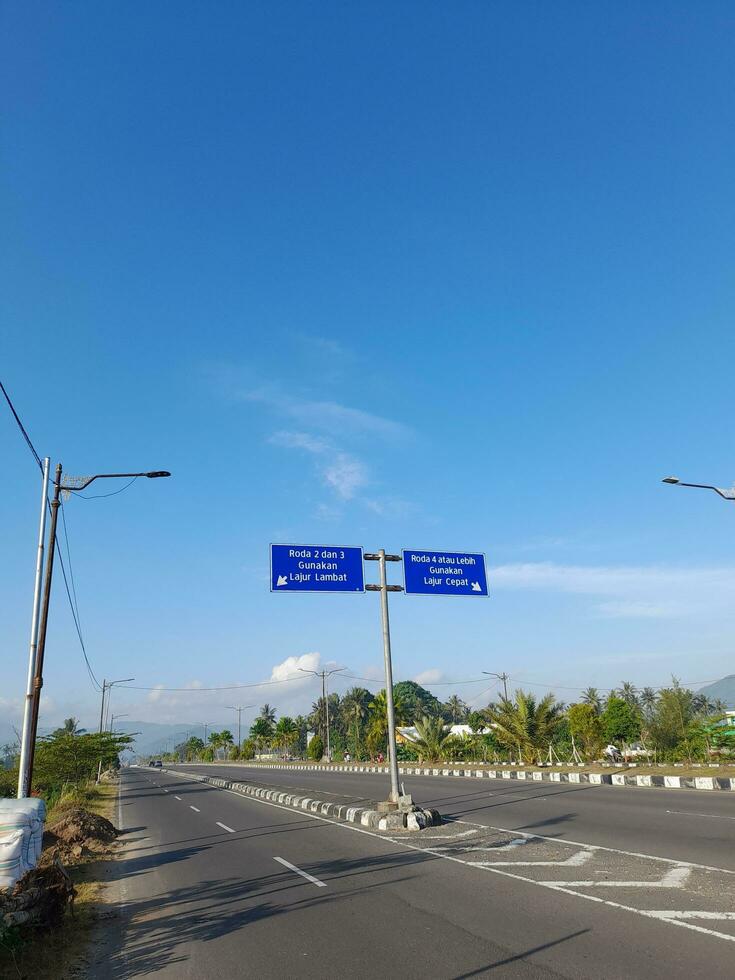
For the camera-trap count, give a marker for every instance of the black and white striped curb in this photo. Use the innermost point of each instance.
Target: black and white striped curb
(418, 820)
(544, 775)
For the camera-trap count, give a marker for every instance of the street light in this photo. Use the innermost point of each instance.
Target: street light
(501, 677)
(33, 696)
(113, 717)
(324, 674)
(725, 494)
(239, 708)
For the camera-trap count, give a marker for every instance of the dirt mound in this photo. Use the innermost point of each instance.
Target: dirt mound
(39, 898)
(75, 832)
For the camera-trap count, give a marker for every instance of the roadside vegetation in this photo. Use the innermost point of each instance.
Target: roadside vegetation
(66, 764)
(669, 725)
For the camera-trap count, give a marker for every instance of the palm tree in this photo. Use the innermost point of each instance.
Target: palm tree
(354, 707)
(457, 708)
(527, 725)
(629, 694)
(268, 713)
(378, 723)
(432, 738)
(286, 733)
(261, 732)
(647, 699)
(591, 696)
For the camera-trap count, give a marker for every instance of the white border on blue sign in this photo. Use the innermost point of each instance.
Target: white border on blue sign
(355, 547)
(446, 595)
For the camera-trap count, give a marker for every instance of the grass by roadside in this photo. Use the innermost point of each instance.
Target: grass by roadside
(52, 954)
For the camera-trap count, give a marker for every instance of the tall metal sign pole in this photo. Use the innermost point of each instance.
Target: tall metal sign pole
(384, 589)
(25, 742)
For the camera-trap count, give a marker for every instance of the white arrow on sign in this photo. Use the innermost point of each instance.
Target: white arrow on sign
(476, 587)
(281, 580)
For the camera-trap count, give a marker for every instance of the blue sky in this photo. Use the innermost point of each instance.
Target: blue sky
(403, 275)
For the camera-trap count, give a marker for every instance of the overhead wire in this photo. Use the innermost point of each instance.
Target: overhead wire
(73, 604)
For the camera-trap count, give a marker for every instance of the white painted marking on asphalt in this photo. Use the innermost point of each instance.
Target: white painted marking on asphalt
(194, 808)
(165, 791)
(646, 913)
(693, 914)
(225, 827)
(581, 857)
(672, 879)
(304, 874)
(177, 798)
(691, 813)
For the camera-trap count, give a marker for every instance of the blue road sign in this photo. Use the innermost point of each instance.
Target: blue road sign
(444, 573)
(316, 568)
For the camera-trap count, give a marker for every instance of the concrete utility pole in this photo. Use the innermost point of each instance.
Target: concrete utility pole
(239, 708)
(325, 697)
(501, 677)
(24, 785)
(41, 648)
(384, 589)
(107, 687)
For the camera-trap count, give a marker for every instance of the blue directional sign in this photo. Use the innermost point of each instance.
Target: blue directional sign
(444, 573)
(316, 568)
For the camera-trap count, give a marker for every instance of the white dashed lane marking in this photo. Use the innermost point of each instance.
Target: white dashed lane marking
(196, 809)
(304, 874)
(225, 827)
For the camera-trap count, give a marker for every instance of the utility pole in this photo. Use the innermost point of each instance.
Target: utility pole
(501, 677)
(24, 784)
(324, 674)
(384, 589)
(239, 708)
(106, 688)
(41, 648)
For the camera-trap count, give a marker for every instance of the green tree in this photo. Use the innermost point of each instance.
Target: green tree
(647, 699)
(315, 749)
(417, 701)
(457, 709)
(433, 738)
(261, 732)
(66, 758)
(269, 713)
(591, 696)
(286, 733)
(586, 728)
(629, 694)
(354, 707)
(70, 727)
(247, 749)
(621, 722)
(527, 725)
(377, 733)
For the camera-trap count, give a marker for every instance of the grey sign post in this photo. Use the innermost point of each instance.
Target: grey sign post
(384, 589)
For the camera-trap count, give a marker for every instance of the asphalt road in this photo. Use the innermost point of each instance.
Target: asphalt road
(681, 824)
(213, 884)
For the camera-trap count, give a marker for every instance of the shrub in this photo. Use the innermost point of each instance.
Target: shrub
(316, 748)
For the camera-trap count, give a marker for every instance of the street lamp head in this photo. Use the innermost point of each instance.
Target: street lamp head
(154, 474)
(671, 479)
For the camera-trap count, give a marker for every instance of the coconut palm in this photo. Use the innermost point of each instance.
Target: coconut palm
(378, 722)
(286, 733)
(591, 696)
(456, 708)
(261, 732)
(432, 738)
(629, 694)
(268, 713)
(527, 725)
(354, 708)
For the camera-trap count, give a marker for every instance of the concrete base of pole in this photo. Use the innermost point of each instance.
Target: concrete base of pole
(386, 806)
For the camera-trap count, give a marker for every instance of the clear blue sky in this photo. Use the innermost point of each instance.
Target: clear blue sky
(402, 275)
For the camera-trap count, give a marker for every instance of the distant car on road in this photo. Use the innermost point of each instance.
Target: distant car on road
(156, 763)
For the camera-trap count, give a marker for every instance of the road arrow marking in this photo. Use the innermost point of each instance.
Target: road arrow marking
(476, 587)
(281, 580)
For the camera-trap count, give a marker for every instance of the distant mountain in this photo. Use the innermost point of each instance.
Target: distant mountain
(149, 740)
(723, 690)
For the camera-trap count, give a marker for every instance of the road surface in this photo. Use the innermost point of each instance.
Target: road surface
(211, 884)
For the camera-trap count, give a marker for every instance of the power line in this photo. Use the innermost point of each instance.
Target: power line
(97, 496)
(203, 690)
(22, 428)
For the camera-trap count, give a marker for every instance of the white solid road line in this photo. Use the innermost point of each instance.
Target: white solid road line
(177, 798)
(225, 827)
(691, 813)
(304, 874)
(194, 808)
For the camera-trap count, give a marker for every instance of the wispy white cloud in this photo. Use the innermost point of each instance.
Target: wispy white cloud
(345, 474)
(431, 676)
(300, 440)
(628, 591)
